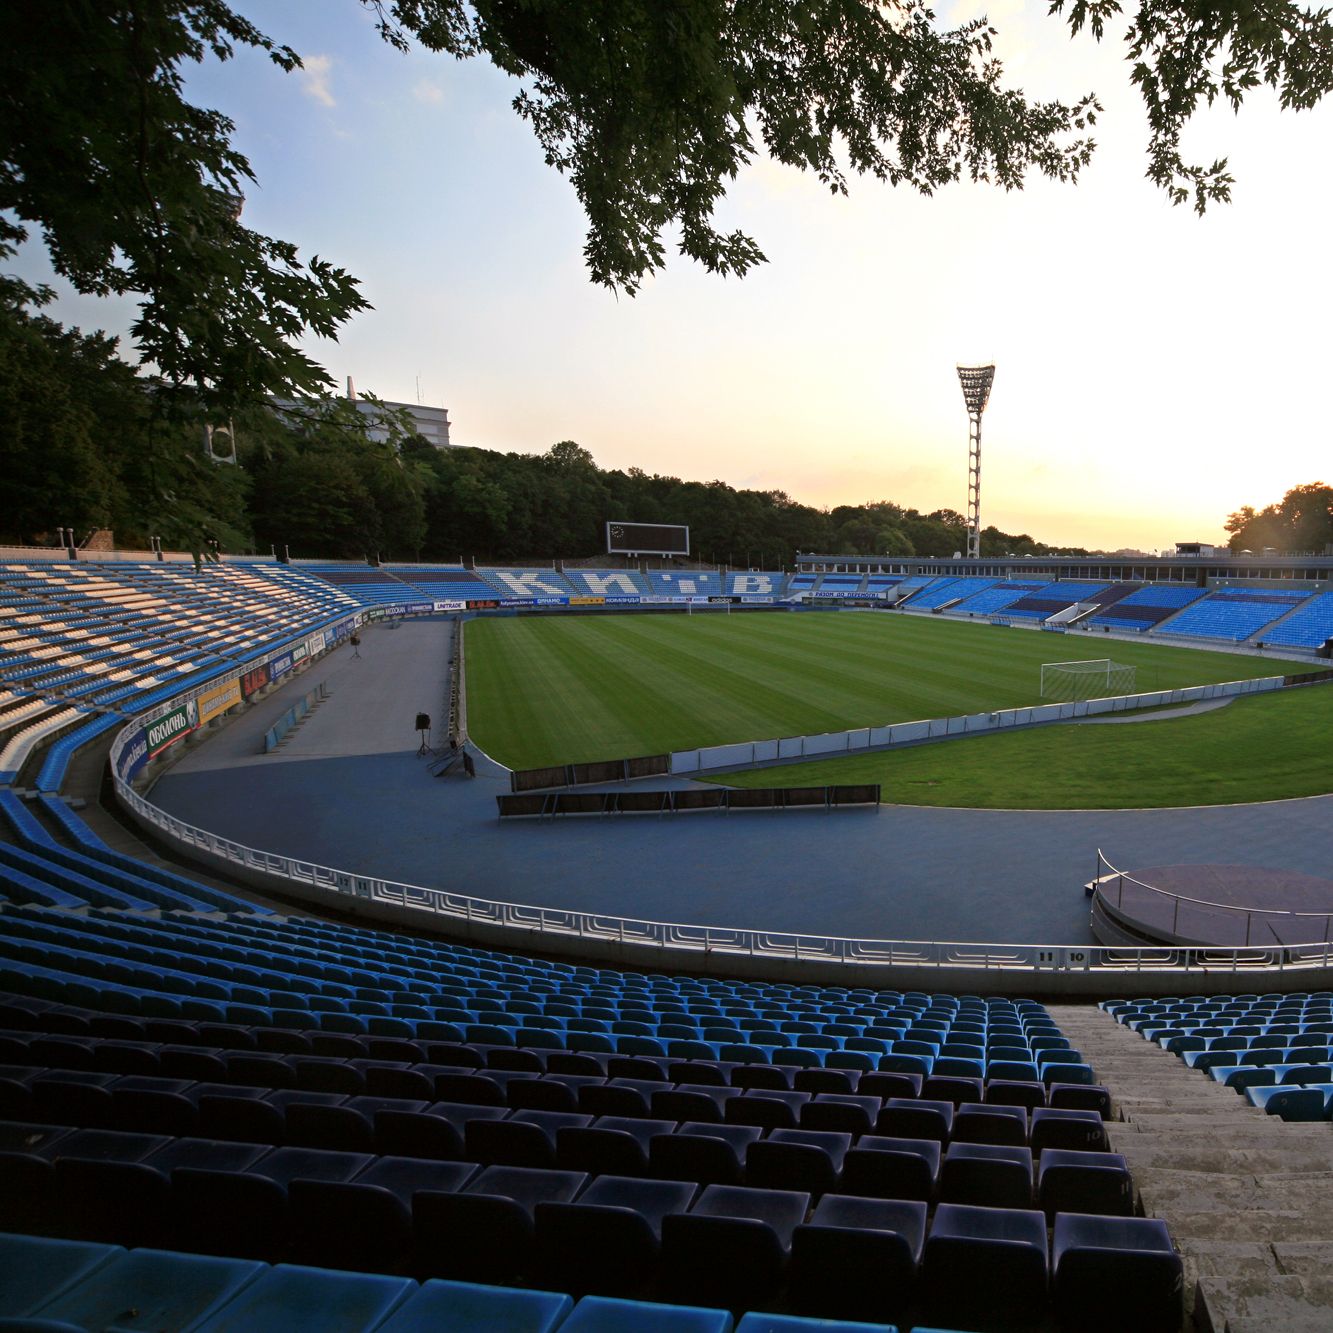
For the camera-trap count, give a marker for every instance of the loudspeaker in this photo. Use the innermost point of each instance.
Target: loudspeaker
(423, 721)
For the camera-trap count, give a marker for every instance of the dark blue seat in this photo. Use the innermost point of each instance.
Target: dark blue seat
(35, 1270)
(985, 1265)
(1069, 1181)
(289, 1297)
(1015, 1092)
(163, 1289)
(417, 1134)
(1116, 1273)
(484, 1232)
(611, 1314)
(885, 1167)
(466, 1307)
(857, 1258)
(311, 1125)
(611, 1145)
(909, 1118)
(608, 1240)
(989, 1123)
(731, 1248)
(987, 1175)
(705, 1153)
(769, 1108)
(526, 1138)
(842, 1112)
(122, 1203)
(1080, 1130)
(809, 1161)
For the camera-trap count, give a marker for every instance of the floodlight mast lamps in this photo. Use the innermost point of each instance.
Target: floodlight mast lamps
(975, 382)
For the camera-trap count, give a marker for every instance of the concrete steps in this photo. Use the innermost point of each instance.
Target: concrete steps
(1248, 1199)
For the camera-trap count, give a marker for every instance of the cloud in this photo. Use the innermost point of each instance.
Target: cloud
(315, 79)
(427, 91)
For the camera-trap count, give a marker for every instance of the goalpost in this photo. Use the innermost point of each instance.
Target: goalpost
(1097, 679)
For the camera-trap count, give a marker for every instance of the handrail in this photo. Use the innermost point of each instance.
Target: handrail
(1249, 913)
(545, 927)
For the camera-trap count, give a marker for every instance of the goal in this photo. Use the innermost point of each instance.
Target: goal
(1098, 679)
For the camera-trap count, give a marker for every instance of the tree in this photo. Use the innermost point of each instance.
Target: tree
(135, 191)
(651, 108)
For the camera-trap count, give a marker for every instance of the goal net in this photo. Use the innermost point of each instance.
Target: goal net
(1099, 679)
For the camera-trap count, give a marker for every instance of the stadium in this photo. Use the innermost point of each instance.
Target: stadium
(913, 944)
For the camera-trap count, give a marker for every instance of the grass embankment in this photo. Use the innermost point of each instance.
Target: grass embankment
(1262, 748)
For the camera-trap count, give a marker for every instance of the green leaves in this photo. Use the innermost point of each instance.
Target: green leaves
(1185, 55)
(135, 191)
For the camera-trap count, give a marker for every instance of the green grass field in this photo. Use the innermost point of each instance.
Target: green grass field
(565, 689)
(1263, 748)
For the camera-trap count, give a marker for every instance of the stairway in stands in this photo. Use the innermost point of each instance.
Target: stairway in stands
(1246, 1196)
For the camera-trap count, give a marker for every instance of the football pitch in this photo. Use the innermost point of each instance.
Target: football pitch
(569, 689)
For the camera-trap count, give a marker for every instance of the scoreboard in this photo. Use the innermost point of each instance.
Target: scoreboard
(647, 539)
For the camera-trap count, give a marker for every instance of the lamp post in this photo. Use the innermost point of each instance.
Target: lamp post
(976, 382)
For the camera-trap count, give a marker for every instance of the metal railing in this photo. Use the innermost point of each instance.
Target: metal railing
(550, 928)
(1252, 916)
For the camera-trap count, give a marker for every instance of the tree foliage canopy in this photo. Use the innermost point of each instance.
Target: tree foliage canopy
(1301, 521)
(650, 107)
(135, 191)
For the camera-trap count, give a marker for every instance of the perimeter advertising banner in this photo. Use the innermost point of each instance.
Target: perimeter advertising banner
(316, 643)
(587, 601)
(133, 756)
(254, 680)
(218, 700)
(482, 604)
(170, 727)
(299, 653)
(280, 666)
(449, 606)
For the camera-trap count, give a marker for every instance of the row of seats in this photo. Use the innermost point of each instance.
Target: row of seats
(68, 1286)
(1276, 1050)
(847, 1255)
(73, 1285)
(990, 1155)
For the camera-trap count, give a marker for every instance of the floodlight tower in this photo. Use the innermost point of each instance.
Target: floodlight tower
(976, 382)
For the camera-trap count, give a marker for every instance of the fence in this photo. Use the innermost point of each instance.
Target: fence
(1192, 917)
(749, 754)
(536, 805)
(277, 733)
(1064, 968)
(858, 739)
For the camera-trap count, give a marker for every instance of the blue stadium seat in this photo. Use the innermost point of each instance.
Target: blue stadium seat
(1116, 1273)
(731, 1248)
(466, 1307)
(163, 1290)
(857, 1258)
(606, 1314)
(608, 1240)
(289, 1296)
(34, 1271)
(978, 1263)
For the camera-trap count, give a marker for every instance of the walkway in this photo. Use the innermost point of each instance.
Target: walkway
(1245, 1195)
(349, 791)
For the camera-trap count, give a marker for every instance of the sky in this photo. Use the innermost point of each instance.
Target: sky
(1155, 370)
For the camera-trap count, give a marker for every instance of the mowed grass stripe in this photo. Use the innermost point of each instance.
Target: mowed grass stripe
(1263, 748)
(545, 690)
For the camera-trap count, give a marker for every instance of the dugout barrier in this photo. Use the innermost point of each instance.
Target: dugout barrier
(277, 733)
(549, 804)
